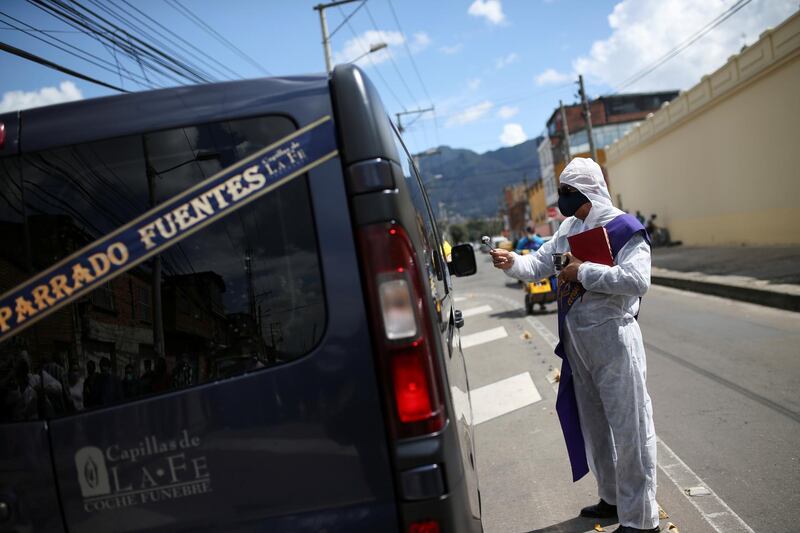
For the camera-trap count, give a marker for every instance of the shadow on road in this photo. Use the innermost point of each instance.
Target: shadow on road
(576, 525)
(511, 313)
(552, 311)
(520, 313)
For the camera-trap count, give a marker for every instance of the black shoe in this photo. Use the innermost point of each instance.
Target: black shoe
(628, 529)
(601, 510)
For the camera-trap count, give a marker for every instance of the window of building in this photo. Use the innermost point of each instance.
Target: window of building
(144, 307)
(242, 294)
(103, 297)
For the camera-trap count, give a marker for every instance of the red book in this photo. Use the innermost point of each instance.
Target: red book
(592, 246)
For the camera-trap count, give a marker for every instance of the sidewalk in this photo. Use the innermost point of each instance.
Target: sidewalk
(762, 275)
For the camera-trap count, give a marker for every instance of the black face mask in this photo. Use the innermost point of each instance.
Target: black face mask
(570, 203)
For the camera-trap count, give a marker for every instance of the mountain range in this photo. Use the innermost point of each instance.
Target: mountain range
(471, 184)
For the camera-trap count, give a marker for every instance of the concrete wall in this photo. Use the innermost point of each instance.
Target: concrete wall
(721, 163)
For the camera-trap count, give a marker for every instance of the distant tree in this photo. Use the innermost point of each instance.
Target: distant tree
(478, 227)
(458, 233)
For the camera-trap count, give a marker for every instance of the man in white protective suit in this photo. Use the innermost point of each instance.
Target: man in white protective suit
(603, 405)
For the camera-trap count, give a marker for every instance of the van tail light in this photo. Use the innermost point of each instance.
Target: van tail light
(401, 325)
(427, 526)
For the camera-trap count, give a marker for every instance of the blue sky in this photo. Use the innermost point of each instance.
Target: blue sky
(494, 69)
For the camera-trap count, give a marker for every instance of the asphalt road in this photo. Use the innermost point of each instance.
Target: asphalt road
(724, 378)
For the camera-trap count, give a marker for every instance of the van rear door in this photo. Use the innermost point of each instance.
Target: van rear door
(28, 496)
(235, 386)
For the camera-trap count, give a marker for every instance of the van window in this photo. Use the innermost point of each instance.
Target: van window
(242, 294)
(427, 226)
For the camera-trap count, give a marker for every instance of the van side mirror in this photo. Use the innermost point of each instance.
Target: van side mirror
(462, 261)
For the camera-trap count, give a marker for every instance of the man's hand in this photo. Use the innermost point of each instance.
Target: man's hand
(570, 272)
(502, 259)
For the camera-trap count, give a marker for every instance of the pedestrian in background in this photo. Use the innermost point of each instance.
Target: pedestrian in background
(603, 404)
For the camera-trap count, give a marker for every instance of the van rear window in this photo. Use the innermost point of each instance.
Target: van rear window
(242, 294)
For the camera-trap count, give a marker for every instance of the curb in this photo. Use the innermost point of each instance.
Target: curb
(770, 298)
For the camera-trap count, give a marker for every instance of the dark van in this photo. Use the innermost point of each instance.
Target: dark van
(290, 364)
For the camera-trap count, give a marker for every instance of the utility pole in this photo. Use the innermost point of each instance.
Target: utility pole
(157, 310)
(326, 40)
(587, 112)
(565, 130)
(251, 293)
(400, 127)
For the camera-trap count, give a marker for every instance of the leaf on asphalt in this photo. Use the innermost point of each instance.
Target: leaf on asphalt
(526, 335)
(662, 514)
(598, 527)
(672, 528)
(554, 376)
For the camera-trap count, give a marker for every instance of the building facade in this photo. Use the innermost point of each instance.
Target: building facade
(612, 117)
(717, 165)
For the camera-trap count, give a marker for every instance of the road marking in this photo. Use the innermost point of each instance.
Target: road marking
(503, 397)
(476, 310)
(489, 335)
(460, 298)
(711, 507)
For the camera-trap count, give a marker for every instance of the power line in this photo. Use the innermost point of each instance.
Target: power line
(168, 61)
(347, 18)
(149, 36)
(375, 65)
(188, 43)
(419, 76)
(719, 19)
(36, 59)
(391, 59)
(134, 44)
(79, 53)
(408, 49)
(175, 4)
(144, 55)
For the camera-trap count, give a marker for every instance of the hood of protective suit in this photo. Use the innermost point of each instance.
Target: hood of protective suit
(586, 176)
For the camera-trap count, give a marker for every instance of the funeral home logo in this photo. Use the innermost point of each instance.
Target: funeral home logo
(150, 471)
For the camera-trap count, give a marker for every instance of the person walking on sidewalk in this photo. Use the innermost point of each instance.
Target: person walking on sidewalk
(603, 404)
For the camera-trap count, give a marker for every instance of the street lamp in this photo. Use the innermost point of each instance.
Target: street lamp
(374, 47)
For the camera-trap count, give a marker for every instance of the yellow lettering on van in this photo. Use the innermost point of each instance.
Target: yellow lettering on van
(59, 286)
(42, 298)
(24, 307)
(5, 314)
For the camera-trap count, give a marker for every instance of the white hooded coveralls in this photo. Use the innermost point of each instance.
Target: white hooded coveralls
(604, 347)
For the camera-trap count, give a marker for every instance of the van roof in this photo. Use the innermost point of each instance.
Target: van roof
(127, 114)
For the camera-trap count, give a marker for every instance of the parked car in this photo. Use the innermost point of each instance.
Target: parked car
(294, 366)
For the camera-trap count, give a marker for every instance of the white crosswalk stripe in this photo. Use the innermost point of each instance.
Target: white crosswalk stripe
(482, 337)
(503, 397)
(472, 311)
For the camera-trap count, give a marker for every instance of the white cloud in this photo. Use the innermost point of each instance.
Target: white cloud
(450, 50)
(358, 46)
(642, 31)
(470, 114)
(492, 10)
(506, 112)
(552, 77)
(473, 84)
(512, 134)
(502, 62)
(16, 100)
(420, 41)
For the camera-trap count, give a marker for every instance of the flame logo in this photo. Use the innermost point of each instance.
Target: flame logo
(90, 472)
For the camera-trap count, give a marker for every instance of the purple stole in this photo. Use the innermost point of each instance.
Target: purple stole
(620, 230)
